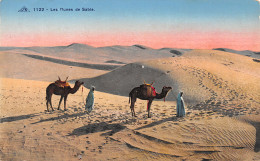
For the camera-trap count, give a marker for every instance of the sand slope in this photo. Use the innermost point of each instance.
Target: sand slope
(22, 67)
(27, 132)
(221, 91)
(203, 75)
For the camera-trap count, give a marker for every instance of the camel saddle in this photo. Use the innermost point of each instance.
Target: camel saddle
(62, 84)
(149, 90)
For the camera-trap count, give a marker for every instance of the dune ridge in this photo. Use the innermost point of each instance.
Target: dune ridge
(86, 54)
(249, 53)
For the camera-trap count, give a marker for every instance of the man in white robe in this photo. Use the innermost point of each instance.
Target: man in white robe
(90, 100)
(180, 105)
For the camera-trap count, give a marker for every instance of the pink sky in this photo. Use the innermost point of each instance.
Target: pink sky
(192, 39)
(200, 24)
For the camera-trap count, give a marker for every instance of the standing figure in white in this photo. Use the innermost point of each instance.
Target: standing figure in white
(180, 105)
(90, 100)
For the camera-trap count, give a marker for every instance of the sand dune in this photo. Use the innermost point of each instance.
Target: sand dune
(20, 66)
(87, 54)
(221, 91)
(122, 80)
(249, 53)
(201, 74)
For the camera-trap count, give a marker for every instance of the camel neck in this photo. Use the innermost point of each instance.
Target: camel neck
(74, 89)
(161, 95)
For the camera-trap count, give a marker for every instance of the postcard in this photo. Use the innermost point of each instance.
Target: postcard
(129, 80)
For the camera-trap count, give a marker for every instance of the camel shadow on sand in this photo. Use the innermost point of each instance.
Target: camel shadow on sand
(174, 118)
(17, 118)
(64, 116)
(108, 129)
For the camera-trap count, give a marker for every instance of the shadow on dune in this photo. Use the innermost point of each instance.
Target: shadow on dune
(256, 60)
(98, 127)
(257, 140)
(114, 62)
(176, 52)
(17, 118)
(122, 80)
(158, 122)
(140, 46)
(255, 124)
(71, 63)
(65, 116)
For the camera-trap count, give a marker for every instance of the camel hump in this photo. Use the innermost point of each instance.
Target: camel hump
(148, 90)
(62, 84)
(146, 85)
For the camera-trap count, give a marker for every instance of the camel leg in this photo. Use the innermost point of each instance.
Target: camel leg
(133, 110)
(48, 97)
(48, 101)
(149, 107)
(47, 104)
(51, 103)
(65, 99)
(133, 100)
(60, 101)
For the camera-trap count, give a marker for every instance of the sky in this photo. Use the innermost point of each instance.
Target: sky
(200, 24)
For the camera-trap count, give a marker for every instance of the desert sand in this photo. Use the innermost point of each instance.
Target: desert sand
(221, 92)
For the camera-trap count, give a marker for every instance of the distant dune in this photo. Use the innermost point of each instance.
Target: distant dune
(249, 53)
(87, 54)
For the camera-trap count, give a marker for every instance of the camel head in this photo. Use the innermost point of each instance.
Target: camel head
(78, 83)
(166, 89)
(164, 92)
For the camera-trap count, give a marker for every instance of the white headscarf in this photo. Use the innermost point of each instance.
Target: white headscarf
(180, 105)
(90, 100)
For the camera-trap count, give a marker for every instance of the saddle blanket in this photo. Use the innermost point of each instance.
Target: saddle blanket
(62, 84)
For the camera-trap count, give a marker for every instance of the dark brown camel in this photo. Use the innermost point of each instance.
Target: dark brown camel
(141, 93)
(57, 88)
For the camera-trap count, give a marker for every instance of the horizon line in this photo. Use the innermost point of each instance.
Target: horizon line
(123, 46)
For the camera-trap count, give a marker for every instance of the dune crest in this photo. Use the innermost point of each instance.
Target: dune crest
(203, 75)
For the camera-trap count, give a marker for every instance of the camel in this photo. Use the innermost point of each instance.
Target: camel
(143, 93)
(61, 88)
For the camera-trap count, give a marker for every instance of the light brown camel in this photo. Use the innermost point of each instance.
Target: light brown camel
(144, 93)
(60, 88)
